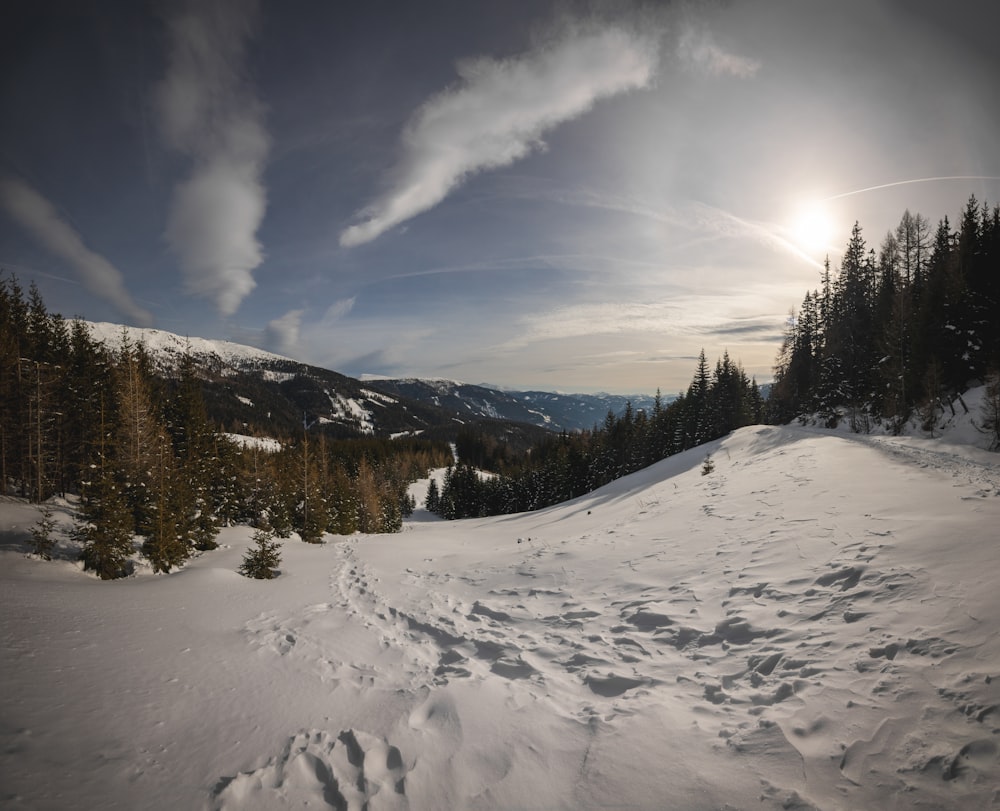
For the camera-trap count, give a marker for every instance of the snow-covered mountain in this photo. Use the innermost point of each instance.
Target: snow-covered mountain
(251, 391)
(167, 348)
(246, 386)
(812, 625)
(552, 410)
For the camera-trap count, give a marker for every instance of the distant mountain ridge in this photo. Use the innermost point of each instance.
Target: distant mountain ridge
(553, 410)
(167, 348)
(255, 391)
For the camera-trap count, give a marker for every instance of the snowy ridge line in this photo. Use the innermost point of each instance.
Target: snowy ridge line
(978, 467)
(170, 345)
(983, 473)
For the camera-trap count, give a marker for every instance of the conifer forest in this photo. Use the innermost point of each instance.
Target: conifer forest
(146, 460)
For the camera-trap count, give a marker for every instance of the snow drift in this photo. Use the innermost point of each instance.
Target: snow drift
(811, 625)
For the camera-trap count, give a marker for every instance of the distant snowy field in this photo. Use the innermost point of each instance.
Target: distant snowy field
(814, 624)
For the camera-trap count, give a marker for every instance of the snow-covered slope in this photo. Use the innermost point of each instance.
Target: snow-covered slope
(811, 625)
(271, 394)
(168, 348)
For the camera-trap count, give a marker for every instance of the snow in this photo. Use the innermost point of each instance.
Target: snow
(545, 417)
(350, 409)
(272, 376)
(812, 625)
(261, 443)
(160, 343)
(377, 397)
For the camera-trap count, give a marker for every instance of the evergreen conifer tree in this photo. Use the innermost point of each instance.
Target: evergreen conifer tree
(42, 542)
(433, 499)
(167, 529)
(261, 561)
(106, 526)
(197, 462)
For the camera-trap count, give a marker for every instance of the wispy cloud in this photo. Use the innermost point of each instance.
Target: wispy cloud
(704, 221)
(765, 328)
(39, 217)
(497, 114)
(726, 224)
(698, 50)
(339, 309)
(282, 334)
(610, 318)
(209, 113)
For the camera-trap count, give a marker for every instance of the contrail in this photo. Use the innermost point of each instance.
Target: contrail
(907, 182)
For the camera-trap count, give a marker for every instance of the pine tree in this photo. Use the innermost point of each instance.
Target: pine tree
(42, 542)
(86, 394)
(700, 417)
(138, 432)
(311, 515)
(344, 506)
(40, 428)
(281, 491)
(197, 462)
(167, 529)
(913, 239)
(261, 561)
(13, 393)
(370, 512)
(105, 530)
(433, 499)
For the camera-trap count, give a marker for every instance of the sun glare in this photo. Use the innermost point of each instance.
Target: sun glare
(812, 228)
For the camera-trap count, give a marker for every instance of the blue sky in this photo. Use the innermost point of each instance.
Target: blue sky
(553, 195)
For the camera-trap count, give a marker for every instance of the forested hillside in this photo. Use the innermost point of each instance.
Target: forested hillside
(140, 451)
(568, 465)
(251, 391)
(887, 337)
(896, 333)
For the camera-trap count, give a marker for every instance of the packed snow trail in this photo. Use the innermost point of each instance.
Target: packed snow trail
(812, 625)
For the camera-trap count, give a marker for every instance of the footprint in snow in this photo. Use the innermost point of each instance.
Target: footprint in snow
(352, 771)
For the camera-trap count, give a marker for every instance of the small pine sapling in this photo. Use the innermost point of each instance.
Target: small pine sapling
(261, 561)
(42, 542)
(707, 466)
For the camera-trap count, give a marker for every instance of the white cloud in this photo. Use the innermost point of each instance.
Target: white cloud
(282, 334)
(339, 309)
(697, 49)
(208, 112)
(39, 217)
(608, 318)
(497, 114)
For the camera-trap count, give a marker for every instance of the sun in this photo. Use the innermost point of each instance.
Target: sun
(812, 228)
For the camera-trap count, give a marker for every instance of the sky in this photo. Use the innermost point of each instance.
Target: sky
(535, 194)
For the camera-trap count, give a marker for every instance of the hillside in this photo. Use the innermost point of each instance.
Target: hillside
(810, 626)
(249, 389)
(553, 410)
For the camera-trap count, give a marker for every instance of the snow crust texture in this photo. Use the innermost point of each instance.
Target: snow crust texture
(353, 771)
(813, 625)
